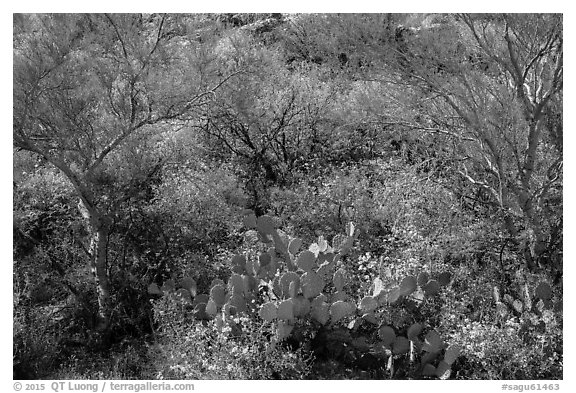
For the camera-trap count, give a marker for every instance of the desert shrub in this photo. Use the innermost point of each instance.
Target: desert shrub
(190, 349)
(126, 360)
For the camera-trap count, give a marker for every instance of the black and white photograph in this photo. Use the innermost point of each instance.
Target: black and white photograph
(286, 196)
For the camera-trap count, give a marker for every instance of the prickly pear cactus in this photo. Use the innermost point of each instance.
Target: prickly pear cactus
(306, 286)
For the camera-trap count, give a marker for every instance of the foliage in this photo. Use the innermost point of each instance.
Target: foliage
(268, 196)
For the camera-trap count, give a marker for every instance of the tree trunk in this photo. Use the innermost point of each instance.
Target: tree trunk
(99, 229)
(99, 268)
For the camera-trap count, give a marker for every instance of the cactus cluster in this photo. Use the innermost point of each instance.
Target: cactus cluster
(529, 301)
(309, 285)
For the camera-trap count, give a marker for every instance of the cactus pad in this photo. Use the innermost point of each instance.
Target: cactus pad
(301, 306)
(394, 295)
(168, 286)
(218, 294)
(443, 370)
(236, 283)
(408, 285)
(189, 284)
(432, 343)
(294, 245)
(340, 310)
(339, 279)
(286, 310)
(312, 284)
(431, 288)
(283, 330)
(285, 281)
(265, 224)
(429, 370)
(414, 330)
(154, 289)
(320, 310)
(387, 335)
(268, 312)
(401, 345)
(452, 354)
(368, 304)
(211, 308)
(444, 278)
(305, 261)
(543, 291)
(423, 278)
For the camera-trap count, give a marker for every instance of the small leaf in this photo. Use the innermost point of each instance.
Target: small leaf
(268, 312)
(153, 289)
(387, 335)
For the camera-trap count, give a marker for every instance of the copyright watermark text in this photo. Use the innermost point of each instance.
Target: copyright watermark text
(102, 386)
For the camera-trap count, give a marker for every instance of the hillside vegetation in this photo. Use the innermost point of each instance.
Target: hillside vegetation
(282, 196)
